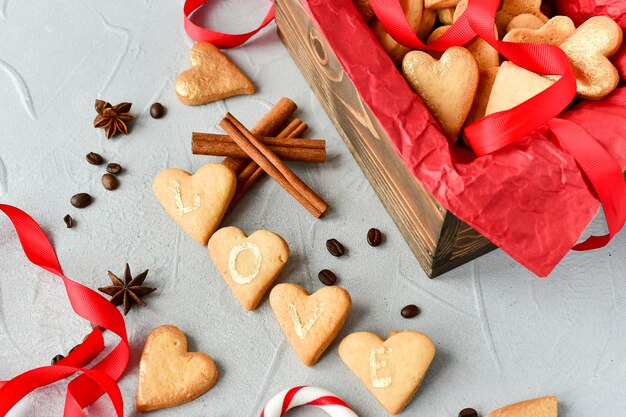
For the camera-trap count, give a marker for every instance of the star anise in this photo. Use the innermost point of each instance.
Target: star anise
(112, 118)
(129, 291)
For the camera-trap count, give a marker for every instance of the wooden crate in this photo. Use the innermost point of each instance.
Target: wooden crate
(439, 240)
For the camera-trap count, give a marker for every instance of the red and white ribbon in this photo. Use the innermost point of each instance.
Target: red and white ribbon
(298, 396)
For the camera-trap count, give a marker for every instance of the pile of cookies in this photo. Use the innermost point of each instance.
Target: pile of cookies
(465, 84)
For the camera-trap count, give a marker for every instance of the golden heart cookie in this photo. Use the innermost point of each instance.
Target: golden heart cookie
(168, 374)
(447, 86)
(392, 370)
(589, 50)
(196, 202)
(212, 77)
(512, 8)
(524, 21)
(413, 12)
(486, 55)
(310, 322)
(514, 85)
(539, 407)
(248, 264)
(554, 32)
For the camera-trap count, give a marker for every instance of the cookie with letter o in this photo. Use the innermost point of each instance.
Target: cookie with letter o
(248, 264)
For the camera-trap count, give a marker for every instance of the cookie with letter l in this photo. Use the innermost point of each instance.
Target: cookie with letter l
(392, 369)
(168, 374)
(310, 322)
(248, 264)
(196, 202)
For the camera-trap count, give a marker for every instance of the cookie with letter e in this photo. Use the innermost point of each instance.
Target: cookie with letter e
(539, 407)
(248, 264)
(196, 202)
(391, 369)
(310, 322)
(168, 374)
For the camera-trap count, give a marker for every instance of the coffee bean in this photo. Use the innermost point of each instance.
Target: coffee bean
(374, 237)
(327, 277)
(110, 182)
(69, 222)
(468, 412)
(114, 168)
(93, 158)
(56, 359)
(410, 311)
(334, 247)
(157, 111)
(81, 200)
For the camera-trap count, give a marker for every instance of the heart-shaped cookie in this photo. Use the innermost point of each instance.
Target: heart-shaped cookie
(514, 85)
(212, 77)
(168, 374)
(248, 264)
(539, 407)
(589, 50)
(392, 370)
(483, 92)
(524, 21)
(512, 8)
(447, 86)
(310, 322)
(197, 202)
(486, 56)
(554, 32)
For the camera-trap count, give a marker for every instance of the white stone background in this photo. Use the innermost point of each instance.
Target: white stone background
(502, 334)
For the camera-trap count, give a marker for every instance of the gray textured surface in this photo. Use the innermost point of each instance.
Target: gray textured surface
(502, 335)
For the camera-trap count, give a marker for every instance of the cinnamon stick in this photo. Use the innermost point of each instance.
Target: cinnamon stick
(273, 166)
(253, 171)
(287, 149)
(267, 126)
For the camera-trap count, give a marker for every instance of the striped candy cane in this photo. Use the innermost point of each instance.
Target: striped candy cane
(317, 397)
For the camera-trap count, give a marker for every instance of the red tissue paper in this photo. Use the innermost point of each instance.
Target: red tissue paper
(529, 198)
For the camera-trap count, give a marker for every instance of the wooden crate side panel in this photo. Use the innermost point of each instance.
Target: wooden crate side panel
(421, 220)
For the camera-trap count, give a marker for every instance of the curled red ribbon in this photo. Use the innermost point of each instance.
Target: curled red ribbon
(219, 39)
(498, 130)
(92, 382)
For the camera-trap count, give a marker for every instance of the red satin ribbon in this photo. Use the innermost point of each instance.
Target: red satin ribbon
(92, 382)
(221, 40)
(501, 129)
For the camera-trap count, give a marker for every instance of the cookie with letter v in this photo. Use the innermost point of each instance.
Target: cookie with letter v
(248, 264)
(310, 322)
(392, 370)
(196, 202)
